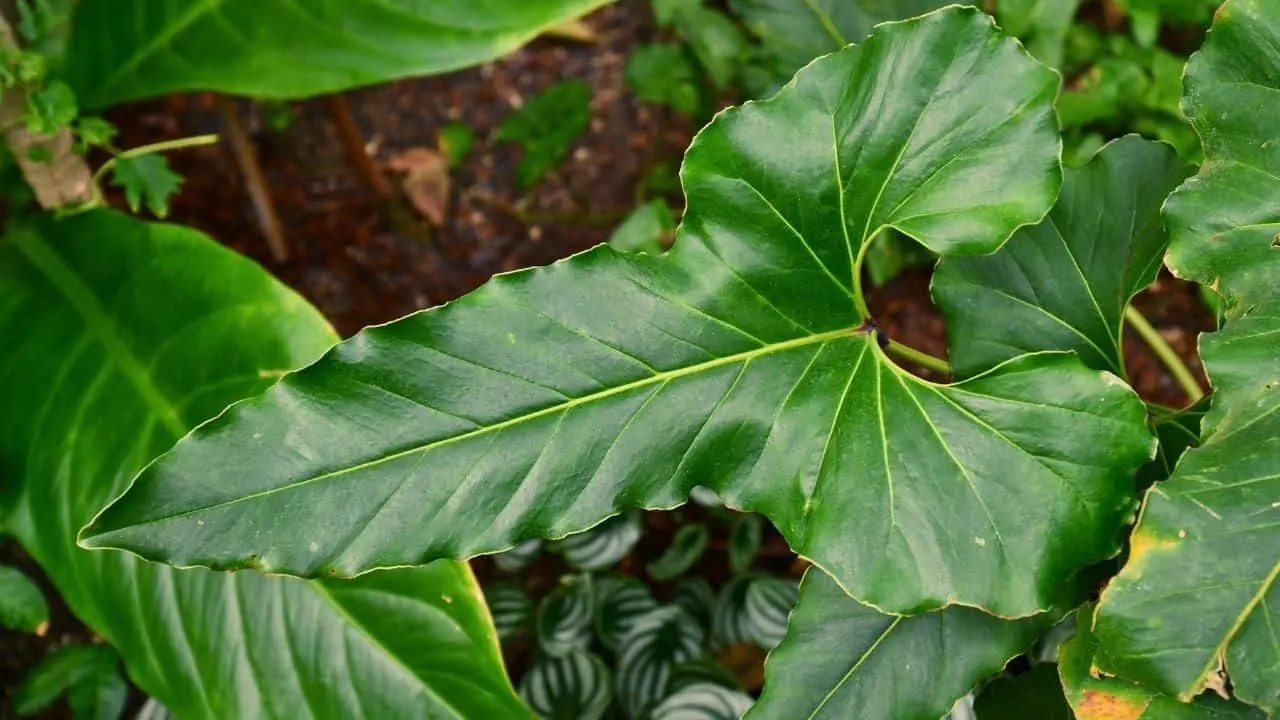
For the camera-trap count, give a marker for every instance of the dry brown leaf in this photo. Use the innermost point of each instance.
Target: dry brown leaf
(426, 181)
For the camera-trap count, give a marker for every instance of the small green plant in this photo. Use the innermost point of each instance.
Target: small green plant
(951, 525)
(545, 127)
(602, 644)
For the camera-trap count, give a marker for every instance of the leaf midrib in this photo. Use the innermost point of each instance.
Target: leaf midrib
(659, 377)
(99, 323)
(193, 13)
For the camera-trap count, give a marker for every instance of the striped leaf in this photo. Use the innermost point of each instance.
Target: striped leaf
(564, 617)
(701, 671)
(729, 624)
(519, 557)
(603, 545)
(511, 608)
(744, 543)
(695, 595)
(705, 496)
(703, 701)
(768, 602)
(575, 686)
(685, 550)
(657, 643)
(619, 603)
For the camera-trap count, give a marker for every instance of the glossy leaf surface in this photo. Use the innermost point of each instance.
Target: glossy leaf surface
(120, 319)
(286, 49)
(1200, 586)
(1095, 697)
(649, 653)
(842, 659)
(703, 701)
(1064, 284)
(553, 398)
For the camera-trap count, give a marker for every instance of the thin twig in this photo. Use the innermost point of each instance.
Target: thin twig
(354, 144)
(1181, 373)
(247, 158)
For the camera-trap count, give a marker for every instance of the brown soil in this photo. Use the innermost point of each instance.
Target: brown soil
(363, 264)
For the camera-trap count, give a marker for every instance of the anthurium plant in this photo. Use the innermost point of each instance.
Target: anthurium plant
(950, 525)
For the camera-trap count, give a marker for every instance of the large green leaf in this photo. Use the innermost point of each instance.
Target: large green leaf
(1064, 284)
(842, 659)
(1200, 588)
(1096, 697)
(742, 359)
(131, 334)
(287, 49)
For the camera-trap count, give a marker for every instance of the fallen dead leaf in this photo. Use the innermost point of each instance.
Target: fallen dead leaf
(426, 181)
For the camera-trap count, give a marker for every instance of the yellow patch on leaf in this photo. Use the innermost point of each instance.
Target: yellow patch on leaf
(1098, 705)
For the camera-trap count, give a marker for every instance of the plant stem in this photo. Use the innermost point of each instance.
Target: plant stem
(924, 360)
(1165, 352)
(164, 146)
(353, 142)
(247, 158)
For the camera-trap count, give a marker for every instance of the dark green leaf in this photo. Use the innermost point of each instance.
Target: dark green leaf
(842, 659)
(546, 126)
(701, 671)
(696, 596)
(703, 701)
(717, 43)
(1103, 698)
(455, 142)
(1042, 25)
(575, 686)
(22, 605)
(146, 179)
(1177, 431)
(656, 643)
(1064, 284)
(793, 32)
(285, 49)
(685, 549)
(51, 108)
(744, 543)
(645, 229)
(120, 320)
(57, 672)
(511, 608)
(891, 253)
(93, 131)
(619, 603)
(1200, 589)
(741, 359)
(665, 75)
(1035, 694)
(564, 616)
(99, 695)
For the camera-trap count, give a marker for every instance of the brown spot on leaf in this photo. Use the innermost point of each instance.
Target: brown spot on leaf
(1098, 705)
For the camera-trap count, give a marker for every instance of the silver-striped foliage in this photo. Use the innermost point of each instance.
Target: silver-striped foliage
(657, 642)
(603, 545)
(564, 617)
(574, 686)
(703, 701)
